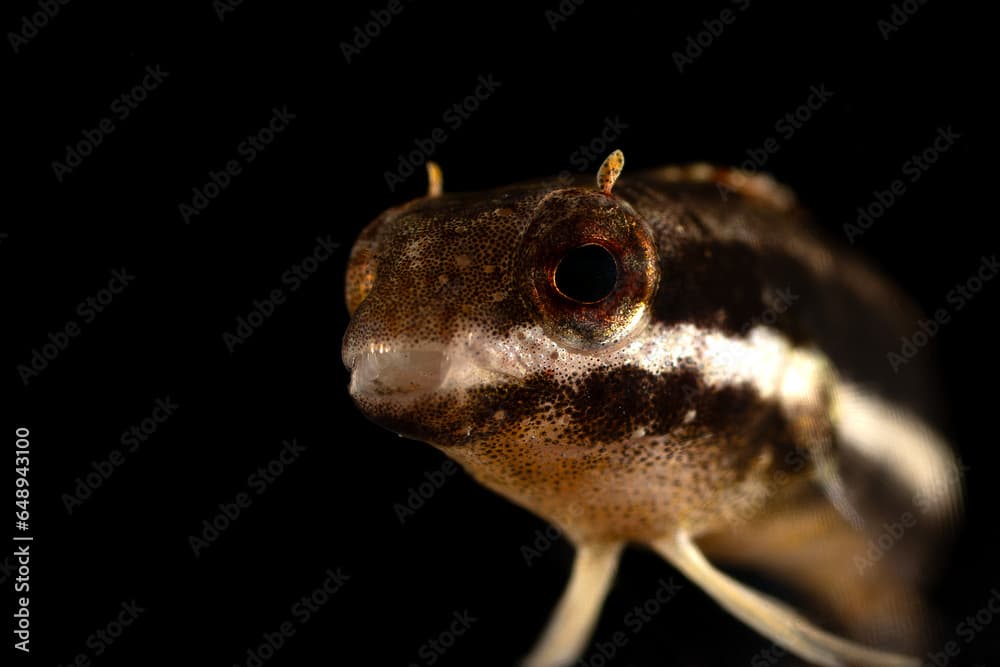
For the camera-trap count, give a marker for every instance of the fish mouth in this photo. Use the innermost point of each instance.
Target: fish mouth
(417, 393)
(384, 372)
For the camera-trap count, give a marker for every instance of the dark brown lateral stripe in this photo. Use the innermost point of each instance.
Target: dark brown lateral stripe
(604, 409)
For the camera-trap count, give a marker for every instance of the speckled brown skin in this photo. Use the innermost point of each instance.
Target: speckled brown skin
(616, 452)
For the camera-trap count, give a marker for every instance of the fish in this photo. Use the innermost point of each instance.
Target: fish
(676, 359)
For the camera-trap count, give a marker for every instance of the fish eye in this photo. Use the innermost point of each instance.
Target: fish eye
(586, 274)
(589, 266)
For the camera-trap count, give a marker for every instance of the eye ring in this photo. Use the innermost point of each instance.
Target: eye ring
(586, 274)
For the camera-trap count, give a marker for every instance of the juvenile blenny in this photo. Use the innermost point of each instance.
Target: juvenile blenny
(678, 360)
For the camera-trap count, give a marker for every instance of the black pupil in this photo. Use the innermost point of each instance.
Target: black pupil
(586, 274)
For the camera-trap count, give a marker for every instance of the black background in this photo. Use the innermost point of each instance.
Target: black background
(324, 175)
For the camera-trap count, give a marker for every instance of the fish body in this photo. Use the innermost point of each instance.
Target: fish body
(678, 359)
